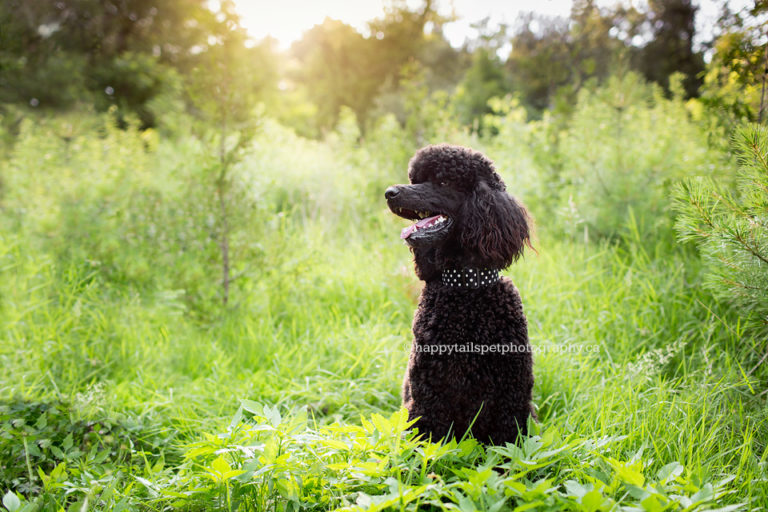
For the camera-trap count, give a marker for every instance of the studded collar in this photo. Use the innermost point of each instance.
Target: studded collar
(469, 277)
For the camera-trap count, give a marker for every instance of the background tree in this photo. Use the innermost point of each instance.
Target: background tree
(552, 58)
(600, 39)
(56, 53)
(338, 62)
(399, 36)
(672, 27)
(734, 77)
(228, 78)
(346, 68)
(486, 77)
(540, 62)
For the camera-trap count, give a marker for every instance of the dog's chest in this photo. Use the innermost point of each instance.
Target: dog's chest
(492, 315)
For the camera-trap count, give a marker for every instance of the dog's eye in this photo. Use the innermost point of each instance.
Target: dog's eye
(443, 183)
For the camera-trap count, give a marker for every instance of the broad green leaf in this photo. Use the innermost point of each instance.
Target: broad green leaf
(628, 472)
(639, 493)
(497, 506)
(706, 493)
(575, 488)
(514, 488)
(11, 502)
(592, 500)
(465, 503)
(335, 444)
(652, 504)
(252, 406)
(382, 424)
(531, 505)
(237, 418)
(273, 415)
(220, 465)
(670, 471)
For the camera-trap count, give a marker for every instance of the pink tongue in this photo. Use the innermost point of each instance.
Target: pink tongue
(406, 232)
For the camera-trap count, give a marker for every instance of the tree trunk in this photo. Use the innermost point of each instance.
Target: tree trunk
(224, 245)
(221, 190)
(762, 91)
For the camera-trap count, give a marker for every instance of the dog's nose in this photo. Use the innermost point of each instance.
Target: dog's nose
(391, 192)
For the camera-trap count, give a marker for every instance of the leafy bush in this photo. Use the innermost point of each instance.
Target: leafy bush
(136, 212)
(129, 83)
(276, 461)
(607, 171)
(39, 440)
(625, 147)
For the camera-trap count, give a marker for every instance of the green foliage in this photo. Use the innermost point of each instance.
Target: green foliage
(538, 62)
(58, 82)
(110, 313)
(113, 220)
(731, 229)
(607, 170)
(427, 116)
(129, 83)
(734, 77)
(44, 446)
(227, 77)
(337, 61)
(378, 465)
(671, 50)
(625, 146)
(553, 58)
(484, 80)
(119, 242)
(336, 66)
(126, 54)
(136, 52)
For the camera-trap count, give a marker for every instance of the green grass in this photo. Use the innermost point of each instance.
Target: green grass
(126, 386)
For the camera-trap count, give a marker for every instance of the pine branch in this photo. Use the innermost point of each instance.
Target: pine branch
(731, 228)
(754, 251)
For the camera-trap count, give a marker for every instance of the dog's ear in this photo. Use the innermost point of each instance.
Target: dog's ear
(496, 227)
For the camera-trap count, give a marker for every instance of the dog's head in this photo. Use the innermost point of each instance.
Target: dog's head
(462, 213)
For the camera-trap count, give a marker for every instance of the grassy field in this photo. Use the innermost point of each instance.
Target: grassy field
(126, 385)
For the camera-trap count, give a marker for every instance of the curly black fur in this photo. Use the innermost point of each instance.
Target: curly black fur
(487, 229)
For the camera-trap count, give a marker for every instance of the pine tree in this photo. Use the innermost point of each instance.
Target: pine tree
(731, 227)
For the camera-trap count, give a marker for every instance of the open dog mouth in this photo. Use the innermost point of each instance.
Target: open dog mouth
(427, 223)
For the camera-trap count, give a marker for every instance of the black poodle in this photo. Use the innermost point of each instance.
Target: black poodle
(471, 366)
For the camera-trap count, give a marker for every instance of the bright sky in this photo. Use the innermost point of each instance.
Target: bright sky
(287, 20)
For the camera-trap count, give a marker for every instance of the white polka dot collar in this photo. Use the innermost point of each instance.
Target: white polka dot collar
(470, 277)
